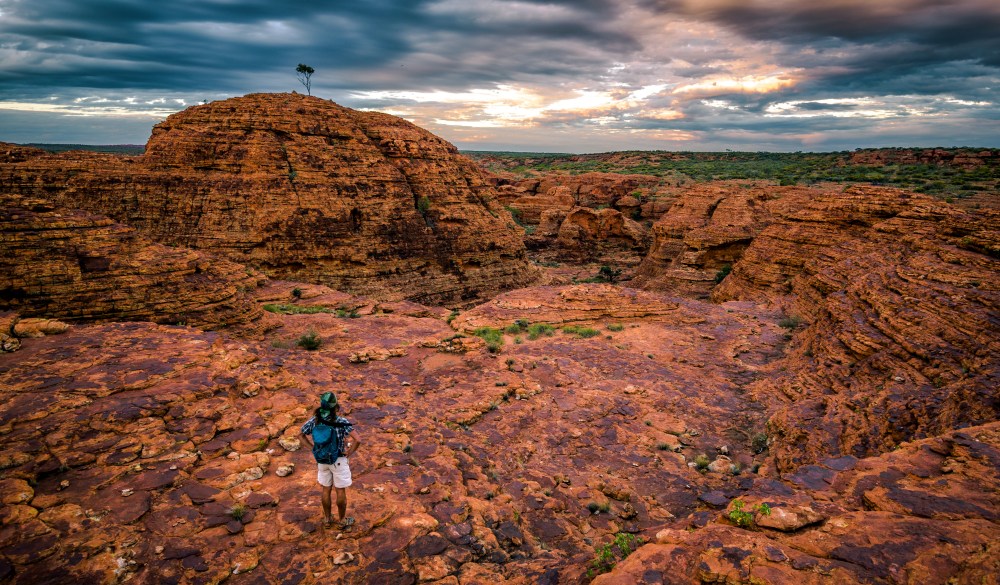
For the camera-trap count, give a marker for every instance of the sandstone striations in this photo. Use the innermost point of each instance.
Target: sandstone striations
(924, 514)
(532, 196)
(303, 189)
(894, 298)
(78, 266)
(704, 232)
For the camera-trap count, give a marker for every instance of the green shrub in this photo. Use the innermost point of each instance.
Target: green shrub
(609, 273)
(790, 322)
(347, 313)
(423, 205)
(284, 309)
(616, 327)
(518, 326)
(583, 332)
(744, 518)
(310, 340)
(297, 292)
(610, 554)
(596, 508)
(536, 330)
(723, 273)
(701, 462)
(758, 444)
(238, 511)
(492, 337)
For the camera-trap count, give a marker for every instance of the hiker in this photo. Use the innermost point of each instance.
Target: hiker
(327, 434)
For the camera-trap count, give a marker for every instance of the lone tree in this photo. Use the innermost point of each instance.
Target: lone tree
(304, 72)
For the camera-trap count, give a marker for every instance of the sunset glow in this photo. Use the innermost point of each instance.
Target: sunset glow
(525, 74)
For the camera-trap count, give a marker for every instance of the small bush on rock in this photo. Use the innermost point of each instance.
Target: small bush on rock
(310, 340)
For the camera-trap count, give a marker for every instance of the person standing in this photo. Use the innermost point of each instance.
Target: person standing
(333, 441)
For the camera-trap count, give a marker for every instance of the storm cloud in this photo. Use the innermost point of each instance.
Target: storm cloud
(522, 74)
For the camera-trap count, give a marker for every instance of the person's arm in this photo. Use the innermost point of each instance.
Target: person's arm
(306, 430)
(354, 442)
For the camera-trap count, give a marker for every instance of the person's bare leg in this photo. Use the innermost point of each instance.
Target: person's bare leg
(327, 517)
(341, 502)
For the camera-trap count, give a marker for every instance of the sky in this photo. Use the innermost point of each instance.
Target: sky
(522, 75)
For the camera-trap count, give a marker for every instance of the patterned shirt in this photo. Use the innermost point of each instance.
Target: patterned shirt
(341, 431)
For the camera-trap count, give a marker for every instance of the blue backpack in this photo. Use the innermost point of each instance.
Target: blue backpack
(327, 445)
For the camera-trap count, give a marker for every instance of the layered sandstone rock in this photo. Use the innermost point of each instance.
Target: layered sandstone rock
(78, 266)
(303, 189)
(893, 303)
(965, 158)
(924, 514)
(533, 196)
(705, 231)
(586, 234)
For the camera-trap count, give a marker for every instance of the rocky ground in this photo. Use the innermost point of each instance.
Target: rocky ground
(724, 382)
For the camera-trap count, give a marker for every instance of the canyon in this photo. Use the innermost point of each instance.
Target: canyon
(593, 377)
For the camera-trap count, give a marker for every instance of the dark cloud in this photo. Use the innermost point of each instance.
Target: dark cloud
(737, 67)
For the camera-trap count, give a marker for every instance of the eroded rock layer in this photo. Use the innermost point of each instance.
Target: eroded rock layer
(900, 295)
(704, 232)
(925, 514)
(303, 189)
(78, 266)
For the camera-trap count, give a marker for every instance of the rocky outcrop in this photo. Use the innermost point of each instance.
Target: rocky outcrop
(303, 189)
(966, 158)
(557, 305)
(173, 454)
(924, 514)
(891, 305)
(586, 234)
(77, 266)
(704, 233)
(530, 197)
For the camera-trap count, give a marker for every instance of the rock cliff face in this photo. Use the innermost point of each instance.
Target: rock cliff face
(78, 266)
(893, 298)
(706, 229)
(533, 196)
(307, 190)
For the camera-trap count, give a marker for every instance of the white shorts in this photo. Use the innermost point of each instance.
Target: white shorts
(337, 474)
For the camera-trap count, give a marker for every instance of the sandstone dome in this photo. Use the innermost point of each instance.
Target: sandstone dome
(304, 189)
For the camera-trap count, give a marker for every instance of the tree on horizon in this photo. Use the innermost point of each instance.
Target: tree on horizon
(304, 74)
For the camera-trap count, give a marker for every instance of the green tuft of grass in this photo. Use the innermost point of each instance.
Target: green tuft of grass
(492, 337)
(701, 462)
(582, 332)
(536, 330)
(238, 511)
(616, 327)
(310, 340)
(284, 309)
(790, 322)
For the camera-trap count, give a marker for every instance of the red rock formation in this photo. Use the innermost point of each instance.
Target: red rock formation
(77, 266)
(586, 234)
(586, 190)
(962, 158)
(925, 514)
(900, 294)
(303, 189)
(707, 228)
